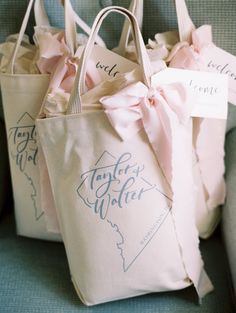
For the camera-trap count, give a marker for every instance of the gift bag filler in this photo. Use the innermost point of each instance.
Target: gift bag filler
(22, 96)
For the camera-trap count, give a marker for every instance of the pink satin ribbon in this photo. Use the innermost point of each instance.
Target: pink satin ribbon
(164, 114)
(160, 111)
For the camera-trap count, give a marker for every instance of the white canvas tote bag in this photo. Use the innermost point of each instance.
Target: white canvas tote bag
(122, 233)
(55, 101)
(208, 134)
(185, 49)
(22, 96)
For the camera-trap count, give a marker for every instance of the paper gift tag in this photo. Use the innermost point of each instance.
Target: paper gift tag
(222, 62)
(209, 91)
(108, 63)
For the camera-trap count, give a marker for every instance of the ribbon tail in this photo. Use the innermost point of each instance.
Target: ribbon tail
(157, 130)
(176, 162)
(122, 109)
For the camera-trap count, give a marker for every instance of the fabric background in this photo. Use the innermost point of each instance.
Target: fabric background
(229, 212)
(34, 278)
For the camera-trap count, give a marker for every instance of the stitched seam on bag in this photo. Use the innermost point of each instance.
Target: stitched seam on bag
(72, 116)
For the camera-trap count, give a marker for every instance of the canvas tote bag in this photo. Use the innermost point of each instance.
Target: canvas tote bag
(185, 49)
(208, 154)
(56, 94)
(113, 203)
(22, 96)
(208, 134)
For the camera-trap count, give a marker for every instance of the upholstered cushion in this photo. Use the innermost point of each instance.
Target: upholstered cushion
(4, 169)
(34, 278)
(229, 212)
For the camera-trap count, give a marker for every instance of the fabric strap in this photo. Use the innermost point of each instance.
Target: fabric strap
(74, 105)
(136, 7)
(185, 23)
(70, 28)
(82, 25)
(71, 19)
(87, 29)
(10, 67)
(41, 18)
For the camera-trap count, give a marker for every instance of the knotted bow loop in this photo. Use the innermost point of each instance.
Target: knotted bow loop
(189, 56)
(123, 109)
(158, 110)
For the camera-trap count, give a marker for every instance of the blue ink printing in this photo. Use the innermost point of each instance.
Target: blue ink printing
(112, 184)
(24, 151)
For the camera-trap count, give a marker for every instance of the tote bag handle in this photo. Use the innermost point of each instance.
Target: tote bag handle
(136, 7)
(69, 25)
(71, 18)
(75, 105)
(87, 29)
(78, 20)
(40, 15)
(185, 23)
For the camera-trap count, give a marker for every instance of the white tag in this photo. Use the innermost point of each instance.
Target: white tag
(209, 90)
(222, 62)
(108, 63)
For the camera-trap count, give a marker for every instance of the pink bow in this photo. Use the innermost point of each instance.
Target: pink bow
(164, 114)
(160, 111)
(186, 56)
